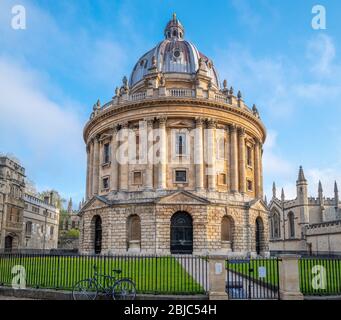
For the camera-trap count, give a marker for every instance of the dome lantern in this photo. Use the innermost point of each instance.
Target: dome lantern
(174, 29)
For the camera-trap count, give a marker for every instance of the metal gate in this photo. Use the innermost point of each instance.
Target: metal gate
(252, 279)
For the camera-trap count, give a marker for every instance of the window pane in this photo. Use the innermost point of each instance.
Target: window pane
(180, 176)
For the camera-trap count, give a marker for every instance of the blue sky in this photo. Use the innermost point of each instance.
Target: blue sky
(76, 51)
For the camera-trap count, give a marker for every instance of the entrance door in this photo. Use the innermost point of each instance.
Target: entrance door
(98, 235)
(8, 243)
(181, 233)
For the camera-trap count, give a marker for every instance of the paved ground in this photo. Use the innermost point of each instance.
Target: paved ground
(12, 298)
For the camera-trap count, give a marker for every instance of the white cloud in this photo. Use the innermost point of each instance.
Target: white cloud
(321, 53)
(30, 118)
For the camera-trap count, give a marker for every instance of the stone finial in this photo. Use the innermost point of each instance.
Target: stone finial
(153, 61)
(231, 90)
(117, 91)
(69, 207)
(282, 195)
(336, 190)
(125, 81)
(255, 110)
(98, 104)
(274, 190)
(225, 84)
(239, 95)
(265, 200)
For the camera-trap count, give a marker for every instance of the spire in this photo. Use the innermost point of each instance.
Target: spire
(174, 29)
(336, 195)
(320, 190)
(282, 195)
(265, 200)
(274, 190)
(69, 207)
(301, 177)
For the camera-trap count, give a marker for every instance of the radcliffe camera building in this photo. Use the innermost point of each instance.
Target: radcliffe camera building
(199, 187)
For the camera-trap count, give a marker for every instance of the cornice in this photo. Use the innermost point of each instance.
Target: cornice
(134, 105)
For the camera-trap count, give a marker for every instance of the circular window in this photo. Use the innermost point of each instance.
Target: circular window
(176, 53)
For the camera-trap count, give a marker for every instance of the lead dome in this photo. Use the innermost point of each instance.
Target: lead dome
(173, 56)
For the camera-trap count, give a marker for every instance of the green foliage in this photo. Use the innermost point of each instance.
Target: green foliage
(72, 233)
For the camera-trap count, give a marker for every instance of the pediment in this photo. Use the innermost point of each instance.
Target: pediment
(95, 203)
(258, 204)
(180, 123)
(182, 197)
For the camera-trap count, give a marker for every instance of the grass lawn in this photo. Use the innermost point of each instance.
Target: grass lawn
(332, 274)
(164, 275)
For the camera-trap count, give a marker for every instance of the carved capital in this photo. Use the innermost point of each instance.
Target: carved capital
(162, 121)
(211, 123)
(241, 132)
(233, 127)
(199, 121)
(149, 121)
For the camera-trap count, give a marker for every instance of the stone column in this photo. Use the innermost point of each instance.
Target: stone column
(124, 165)
(234, 159)
(228, 158)
(87, 190)
(95, 174)
(149, 155)
(242, 171)
(114, 162)
(91, 164)
(289, 279)
(257, 169)
(162, 174)
(211, 154)
(261, 170)
(199, 154)
(217, 278)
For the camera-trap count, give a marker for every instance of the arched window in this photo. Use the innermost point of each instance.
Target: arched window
(275, 225)
(28, 228)
(291, 223)
(227, 229)
(96, 230)
(134, 228)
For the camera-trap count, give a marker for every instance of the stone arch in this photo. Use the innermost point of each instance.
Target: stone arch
(181, 233)
(227, 232)
(134, 232)
(96, 233)
(259, 235)
(11, 242)
(291, 225)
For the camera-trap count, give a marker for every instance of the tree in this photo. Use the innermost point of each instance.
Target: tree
(57, 199)
(72, 233)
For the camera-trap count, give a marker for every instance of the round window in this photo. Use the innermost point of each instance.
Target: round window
(176, 53)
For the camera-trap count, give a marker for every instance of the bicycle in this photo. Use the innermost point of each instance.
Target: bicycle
(118, 289)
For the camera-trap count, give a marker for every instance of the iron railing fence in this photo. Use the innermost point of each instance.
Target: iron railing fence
(304, 253)
(320, 275)
(253, 278)
(152, 274)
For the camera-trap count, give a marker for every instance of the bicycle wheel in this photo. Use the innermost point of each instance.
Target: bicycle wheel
(124, 289)
(84, 290)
